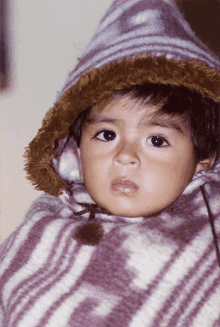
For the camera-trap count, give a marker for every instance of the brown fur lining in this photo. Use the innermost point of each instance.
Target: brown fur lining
(97, 85)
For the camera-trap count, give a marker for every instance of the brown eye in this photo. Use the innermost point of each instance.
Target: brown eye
(105, 135)
(157, 141)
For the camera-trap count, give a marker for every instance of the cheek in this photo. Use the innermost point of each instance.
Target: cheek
(95, 169)
(157, 181)
(168, 178)
(97, 181)
(185, 166)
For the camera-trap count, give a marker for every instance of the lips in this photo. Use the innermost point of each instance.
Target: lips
(124, 186)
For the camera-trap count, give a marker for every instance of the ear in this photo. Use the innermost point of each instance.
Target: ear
(80, 163)
(205, 164)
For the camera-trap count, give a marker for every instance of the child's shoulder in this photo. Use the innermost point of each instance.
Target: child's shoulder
(47, 222)
(47, 205)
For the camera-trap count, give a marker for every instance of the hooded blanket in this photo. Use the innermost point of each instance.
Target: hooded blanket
(155, 272)
(160, 271)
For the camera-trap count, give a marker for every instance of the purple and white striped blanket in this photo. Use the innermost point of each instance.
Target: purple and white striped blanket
(145, 272)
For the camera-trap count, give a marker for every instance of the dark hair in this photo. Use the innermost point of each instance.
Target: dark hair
(203, 114)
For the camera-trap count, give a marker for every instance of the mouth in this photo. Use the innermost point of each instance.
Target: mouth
(124, 186)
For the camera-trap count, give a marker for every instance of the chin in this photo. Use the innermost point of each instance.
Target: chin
(125, 213)
(132, 214)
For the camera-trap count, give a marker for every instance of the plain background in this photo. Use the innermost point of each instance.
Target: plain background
(45, 38)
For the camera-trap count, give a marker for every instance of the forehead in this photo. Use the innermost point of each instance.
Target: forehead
(122, 107)
(136, 109)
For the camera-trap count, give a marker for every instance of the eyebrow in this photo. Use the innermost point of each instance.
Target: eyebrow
(167, 123)
(155, 121)
(100, 119)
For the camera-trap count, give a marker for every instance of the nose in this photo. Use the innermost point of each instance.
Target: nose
(127, 156)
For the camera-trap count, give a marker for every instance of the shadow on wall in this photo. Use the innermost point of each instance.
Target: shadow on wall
(204, 18)
(4, 47)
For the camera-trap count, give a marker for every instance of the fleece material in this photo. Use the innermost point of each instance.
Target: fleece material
(159, 271)
(145, 272)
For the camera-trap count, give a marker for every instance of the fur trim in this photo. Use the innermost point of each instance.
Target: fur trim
(95, 86)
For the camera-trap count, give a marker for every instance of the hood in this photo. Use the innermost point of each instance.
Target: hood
(137, 41)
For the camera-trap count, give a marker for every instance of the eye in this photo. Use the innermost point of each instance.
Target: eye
(157, 141)
(105, 135)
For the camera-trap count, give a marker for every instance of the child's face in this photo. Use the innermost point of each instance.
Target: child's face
(126, 141)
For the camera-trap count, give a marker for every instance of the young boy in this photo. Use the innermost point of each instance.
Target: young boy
(127, 234)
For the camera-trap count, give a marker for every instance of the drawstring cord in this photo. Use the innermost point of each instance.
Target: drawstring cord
(215, 238)
(92, 209)
(89, 208)
(91, 231)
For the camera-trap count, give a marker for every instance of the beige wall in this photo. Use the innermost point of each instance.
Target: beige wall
(46, 36)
